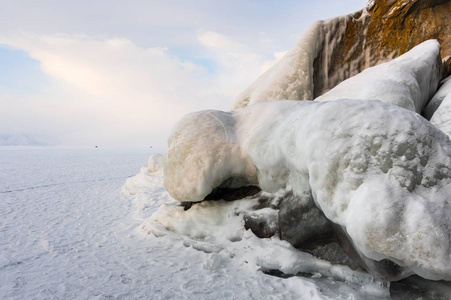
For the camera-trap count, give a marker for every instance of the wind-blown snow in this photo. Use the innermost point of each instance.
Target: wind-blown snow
(379, 171)
(407, 81)
(440, 107)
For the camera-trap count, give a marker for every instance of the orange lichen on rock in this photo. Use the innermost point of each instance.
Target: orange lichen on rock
(378, 33)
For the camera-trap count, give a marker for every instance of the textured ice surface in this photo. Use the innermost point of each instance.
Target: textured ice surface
(378, 170)
(407, 81)
(440, 107)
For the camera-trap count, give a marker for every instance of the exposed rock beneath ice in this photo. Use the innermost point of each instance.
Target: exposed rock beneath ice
(303, 225)
(379, 172)
(264, 223)
(333, 50)
(408, 81)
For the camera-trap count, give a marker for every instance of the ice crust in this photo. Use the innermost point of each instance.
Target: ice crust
(379, 171)
(408, 81)
(440, 107)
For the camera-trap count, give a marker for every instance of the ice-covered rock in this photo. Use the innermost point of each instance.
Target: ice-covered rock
(336, 49)
(379, 172)
(439, 109)
(407, 81)
(203, 153)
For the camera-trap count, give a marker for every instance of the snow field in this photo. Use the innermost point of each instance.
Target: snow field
(68, 232)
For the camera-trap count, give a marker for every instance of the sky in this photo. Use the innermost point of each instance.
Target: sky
(122, 73)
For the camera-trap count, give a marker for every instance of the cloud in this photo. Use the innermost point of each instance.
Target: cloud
(239, 66)
(111, 91)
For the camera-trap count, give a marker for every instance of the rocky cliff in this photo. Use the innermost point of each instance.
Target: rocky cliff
(333, 50)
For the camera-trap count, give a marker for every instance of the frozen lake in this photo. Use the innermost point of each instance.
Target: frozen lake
(68, 232)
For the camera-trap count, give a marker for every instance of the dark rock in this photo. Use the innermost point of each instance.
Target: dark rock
(303, 225)
(230, 194)
(263, 223)
(335, 254)
(233, 189)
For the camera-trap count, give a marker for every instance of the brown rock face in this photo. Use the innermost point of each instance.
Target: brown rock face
(382, 31)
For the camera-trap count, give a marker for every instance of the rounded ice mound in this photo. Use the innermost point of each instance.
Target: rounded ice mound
(202, 154)
(407, 81)
(436, 101)
(380, 172)
(155, 163)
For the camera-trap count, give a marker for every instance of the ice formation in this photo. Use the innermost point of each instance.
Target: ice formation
(377, 170)
(407, 81)
(204, 155)
(440, 107)
(333, 50)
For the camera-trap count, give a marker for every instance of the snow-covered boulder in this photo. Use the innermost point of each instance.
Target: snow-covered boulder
(440, 108)
(379, 172)
(408, 81)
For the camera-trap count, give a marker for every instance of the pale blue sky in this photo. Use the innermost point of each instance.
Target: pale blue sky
(123, 72)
